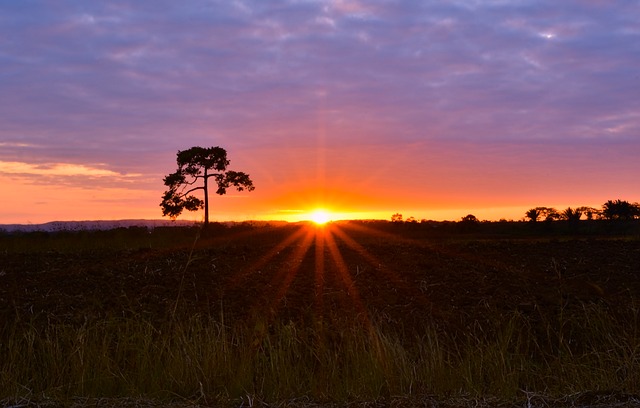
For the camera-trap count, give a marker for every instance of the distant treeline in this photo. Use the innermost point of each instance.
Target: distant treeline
(616, 217)
(611, 210)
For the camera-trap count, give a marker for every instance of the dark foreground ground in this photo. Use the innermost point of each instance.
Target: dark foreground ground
(403, 277)
(347, 272)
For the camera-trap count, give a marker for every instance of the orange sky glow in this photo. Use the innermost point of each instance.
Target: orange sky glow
(352, 185)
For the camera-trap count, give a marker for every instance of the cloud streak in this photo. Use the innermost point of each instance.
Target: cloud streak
(56, 169)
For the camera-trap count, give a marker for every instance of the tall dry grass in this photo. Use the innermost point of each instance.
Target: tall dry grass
(206, 360)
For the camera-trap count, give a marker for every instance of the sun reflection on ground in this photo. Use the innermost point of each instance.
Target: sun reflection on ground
(328, 259)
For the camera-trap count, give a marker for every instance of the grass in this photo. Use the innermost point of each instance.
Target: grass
(204, 361)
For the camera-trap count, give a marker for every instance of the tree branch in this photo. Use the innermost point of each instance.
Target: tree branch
(184, 194)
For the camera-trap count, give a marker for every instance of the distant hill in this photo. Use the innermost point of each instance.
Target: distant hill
(93, 225)
(55, 226)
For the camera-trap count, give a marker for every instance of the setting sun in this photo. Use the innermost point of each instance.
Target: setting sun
(320, 217)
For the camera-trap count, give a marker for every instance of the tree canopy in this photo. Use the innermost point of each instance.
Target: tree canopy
(548, 213)
(611, 210)
(620, 210)
(195, 167)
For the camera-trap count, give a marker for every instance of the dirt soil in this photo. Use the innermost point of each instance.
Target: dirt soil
(341, 273)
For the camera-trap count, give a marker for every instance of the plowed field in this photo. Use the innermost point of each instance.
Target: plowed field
(339, 273)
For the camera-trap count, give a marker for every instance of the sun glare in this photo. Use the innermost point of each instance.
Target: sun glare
(320, 217)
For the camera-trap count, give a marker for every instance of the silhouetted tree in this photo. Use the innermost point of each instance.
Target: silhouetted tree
(590, 212)
(198, 165)
(620, 210)
(571, 215)
(469, 219)
(397, 217)
(534, 214)
(548, 213)
(551, 214)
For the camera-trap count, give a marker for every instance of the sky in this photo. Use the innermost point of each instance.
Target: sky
(431, 109)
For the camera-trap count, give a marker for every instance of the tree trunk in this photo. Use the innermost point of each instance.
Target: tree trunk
(206, 198)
